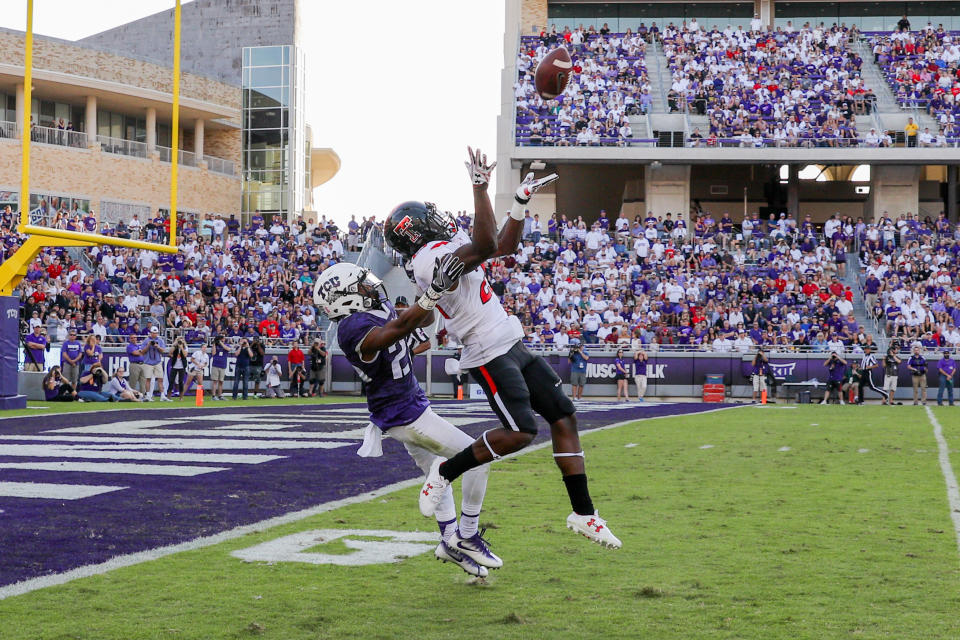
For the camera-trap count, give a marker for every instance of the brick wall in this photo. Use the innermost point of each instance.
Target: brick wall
(80, 61)
(223, 143)
(533, 13)
(98, 175)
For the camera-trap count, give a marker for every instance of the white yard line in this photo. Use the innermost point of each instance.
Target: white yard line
(51, 580)
(953, 491)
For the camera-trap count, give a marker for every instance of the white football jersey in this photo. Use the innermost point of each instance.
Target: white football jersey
(472, 312)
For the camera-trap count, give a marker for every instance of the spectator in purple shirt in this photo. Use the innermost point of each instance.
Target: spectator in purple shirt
(947, 368)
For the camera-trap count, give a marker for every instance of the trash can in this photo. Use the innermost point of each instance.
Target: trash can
(803, 397)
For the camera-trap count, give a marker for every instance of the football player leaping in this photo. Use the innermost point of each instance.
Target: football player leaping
(374, 340)
(516, 382)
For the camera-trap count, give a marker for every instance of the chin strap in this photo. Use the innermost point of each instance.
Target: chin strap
(569, 455)
(489, 448)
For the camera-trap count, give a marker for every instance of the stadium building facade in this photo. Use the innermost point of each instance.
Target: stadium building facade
(243, 134)
(662, 168)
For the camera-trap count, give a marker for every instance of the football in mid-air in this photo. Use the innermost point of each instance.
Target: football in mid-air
(552, 73)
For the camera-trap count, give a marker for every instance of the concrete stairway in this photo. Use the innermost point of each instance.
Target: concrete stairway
(861, 313)
(659, 74)
(873, 78)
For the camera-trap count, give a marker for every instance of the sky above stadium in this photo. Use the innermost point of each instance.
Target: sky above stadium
(398, 89)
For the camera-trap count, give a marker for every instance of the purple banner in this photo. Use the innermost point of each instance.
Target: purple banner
(9, 352)
(676, 369)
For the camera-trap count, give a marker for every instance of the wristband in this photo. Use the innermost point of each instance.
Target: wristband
(429, 299)
(516, 211)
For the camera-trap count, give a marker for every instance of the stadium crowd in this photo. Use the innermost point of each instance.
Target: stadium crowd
(787, 87)
(250, 284)
(652, 282)
(921, 68)
(608, 83)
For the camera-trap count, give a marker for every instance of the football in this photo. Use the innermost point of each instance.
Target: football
(552, 73)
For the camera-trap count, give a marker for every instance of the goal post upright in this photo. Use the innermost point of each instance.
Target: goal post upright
(14, 269)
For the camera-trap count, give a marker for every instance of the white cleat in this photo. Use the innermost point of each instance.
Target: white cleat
(476, 548)
(595, 528)
(433, 489)
(445, 553)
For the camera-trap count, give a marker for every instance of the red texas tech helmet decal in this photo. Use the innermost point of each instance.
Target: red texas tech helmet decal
(403, 229)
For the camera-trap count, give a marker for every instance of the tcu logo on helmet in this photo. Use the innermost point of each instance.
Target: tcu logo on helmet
(330, 284)
(403, 229)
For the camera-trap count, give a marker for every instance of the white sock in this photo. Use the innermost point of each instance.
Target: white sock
(468, 525)
(447, 528)
(149, 393)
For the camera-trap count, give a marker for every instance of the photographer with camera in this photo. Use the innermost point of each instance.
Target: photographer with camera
(318, 367)
(91, 385)
(178, 368)
(298, 375)
(917, 366)
(578, 368)
(272, 373)
(257, 359)
(241, 370)
(56, 388)
(836, 372)
(891, 364)
(156, 349)
(759, 369)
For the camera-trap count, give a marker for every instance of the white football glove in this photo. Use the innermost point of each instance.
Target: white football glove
(478, 168)
(531, 185)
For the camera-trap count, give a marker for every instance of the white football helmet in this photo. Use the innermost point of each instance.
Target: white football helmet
(346, 288)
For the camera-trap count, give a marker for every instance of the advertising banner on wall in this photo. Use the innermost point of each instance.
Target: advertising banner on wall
(673, 370)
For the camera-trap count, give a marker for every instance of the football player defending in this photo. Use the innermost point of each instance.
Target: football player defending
(374, 340)
(516, 382)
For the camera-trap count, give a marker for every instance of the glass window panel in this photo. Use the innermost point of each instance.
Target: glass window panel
(268, 76)
(268, 159)
(48, 112)
(268, 138)
(266, 118)
(246, 56)
(61, 112)
(267, 97)
(266, 56)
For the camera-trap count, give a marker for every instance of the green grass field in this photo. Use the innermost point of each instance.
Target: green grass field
(846, 534)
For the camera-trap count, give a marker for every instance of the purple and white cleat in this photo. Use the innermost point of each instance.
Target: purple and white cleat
(476, 547)
(446, 553)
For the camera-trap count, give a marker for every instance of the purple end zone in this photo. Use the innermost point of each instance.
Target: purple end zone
(40, 536)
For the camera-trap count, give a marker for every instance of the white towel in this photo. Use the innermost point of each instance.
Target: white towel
(371, 447)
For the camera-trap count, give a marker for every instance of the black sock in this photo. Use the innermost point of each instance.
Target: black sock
(579, 494)
(459, 464)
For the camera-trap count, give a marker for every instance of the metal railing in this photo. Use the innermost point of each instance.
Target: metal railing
(8, 129)
(219, 165)
(122, 147)
(164, 153)
(61, 137)
(187, 158)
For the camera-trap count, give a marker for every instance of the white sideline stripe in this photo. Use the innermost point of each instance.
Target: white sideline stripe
(66, 451)
(33, 584)
(53, 491)
(953, 491)
(114, 467)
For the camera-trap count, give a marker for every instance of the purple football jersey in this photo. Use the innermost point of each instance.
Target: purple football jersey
(393, 395)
